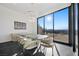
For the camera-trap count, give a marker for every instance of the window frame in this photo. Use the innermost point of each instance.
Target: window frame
(69, 44)
(70, 40)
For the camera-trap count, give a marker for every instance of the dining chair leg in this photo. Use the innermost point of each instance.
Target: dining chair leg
(45, 50)
(52, 52)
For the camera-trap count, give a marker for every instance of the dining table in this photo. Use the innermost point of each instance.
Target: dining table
(43, 44)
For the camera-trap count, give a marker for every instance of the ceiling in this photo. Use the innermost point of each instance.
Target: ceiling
(35, 9)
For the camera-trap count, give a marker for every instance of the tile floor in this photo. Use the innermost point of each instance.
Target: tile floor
(62, 49)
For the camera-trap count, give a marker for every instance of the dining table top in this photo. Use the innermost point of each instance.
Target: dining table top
(41, 36)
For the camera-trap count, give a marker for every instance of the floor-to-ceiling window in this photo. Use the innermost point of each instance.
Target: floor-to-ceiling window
(61, 26)
(49, 25)
(55, 25)
(40, 25)
(45, 25)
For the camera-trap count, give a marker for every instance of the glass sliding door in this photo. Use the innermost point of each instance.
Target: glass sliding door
(40, 25)
(61, 26)
(49, 25)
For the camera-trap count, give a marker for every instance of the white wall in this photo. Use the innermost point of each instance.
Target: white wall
(7, 18)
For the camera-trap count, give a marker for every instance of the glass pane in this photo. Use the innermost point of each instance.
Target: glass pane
(41, 25)
(76, 26)
(61, 26)
(49, 25)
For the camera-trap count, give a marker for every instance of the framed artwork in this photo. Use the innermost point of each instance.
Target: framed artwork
(19, 25)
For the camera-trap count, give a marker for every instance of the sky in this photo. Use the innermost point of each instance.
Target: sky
(76, 22)
(60, 20)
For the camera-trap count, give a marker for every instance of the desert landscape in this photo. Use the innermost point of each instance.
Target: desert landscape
(59, 37)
